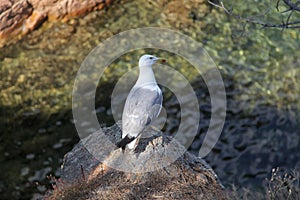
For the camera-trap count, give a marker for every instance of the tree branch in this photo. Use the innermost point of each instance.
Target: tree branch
(292, 7)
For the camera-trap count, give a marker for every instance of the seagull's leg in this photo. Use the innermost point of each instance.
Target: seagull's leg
(135, 142)
(155, 129)
(152, 143)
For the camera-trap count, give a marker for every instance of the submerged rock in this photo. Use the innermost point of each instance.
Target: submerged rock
(158, 169)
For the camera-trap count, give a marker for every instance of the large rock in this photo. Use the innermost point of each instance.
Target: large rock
(13, 13)
(22, 16)
(158, 169)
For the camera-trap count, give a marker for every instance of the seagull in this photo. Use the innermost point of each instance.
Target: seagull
(143, 104)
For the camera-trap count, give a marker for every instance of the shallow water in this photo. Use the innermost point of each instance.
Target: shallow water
(260, 70)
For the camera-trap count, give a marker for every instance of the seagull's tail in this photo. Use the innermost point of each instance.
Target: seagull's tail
(126, 140)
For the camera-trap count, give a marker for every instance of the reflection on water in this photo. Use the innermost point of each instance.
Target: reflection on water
(260, 70)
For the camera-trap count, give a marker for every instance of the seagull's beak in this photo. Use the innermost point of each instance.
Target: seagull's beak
(161, 60)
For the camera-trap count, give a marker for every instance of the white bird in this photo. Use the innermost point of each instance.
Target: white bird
(143, 104)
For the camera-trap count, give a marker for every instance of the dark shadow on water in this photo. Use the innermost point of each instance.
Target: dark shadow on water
(32, 147)
(256, 137)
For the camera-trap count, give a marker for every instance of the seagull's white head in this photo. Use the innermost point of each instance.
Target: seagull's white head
(147, 60)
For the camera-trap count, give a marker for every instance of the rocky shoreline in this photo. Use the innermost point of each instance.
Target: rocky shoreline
(19, 17)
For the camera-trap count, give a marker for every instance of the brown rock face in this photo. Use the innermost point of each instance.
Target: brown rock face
(72, 8)
(22, 16)
(36, 19)
(13, 14)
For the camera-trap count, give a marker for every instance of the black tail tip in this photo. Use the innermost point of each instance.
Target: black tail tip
(126, 140)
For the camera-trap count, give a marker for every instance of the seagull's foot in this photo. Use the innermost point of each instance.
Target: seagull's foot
(153, 145)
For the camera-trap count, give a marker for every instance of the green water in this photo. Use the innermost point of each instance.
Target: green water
(260, 68)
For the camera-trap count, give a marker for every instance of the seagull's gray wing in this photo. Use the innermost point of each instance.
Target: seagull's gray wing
(142, 107)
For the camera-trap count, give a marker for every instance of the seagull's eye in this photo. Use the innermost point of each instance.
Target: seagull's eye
(151, 58)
